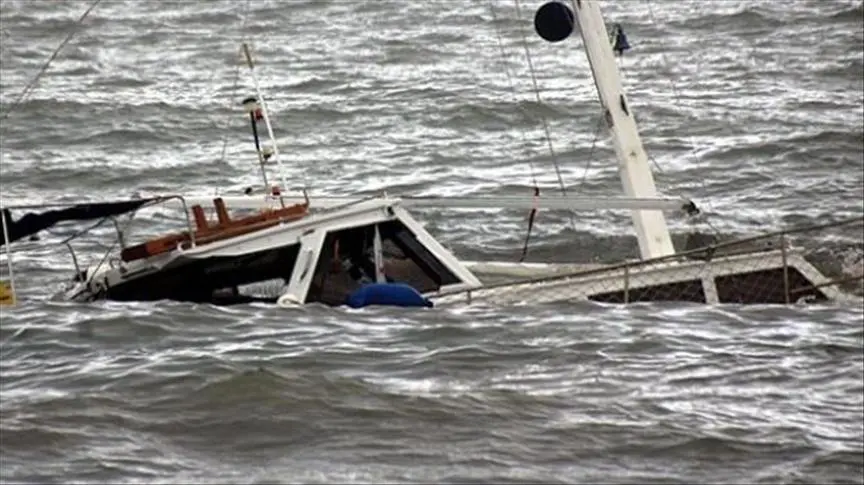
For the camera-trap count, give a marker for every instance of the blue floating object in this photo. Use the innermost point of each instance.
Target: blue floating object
(387, 294)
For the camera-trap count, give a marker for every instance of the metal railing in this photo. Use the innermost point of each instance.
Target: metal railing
(627, 271)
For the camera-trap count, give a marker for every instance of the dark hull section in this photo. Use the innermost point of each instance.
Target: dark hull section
(750, 288)
(210, 280)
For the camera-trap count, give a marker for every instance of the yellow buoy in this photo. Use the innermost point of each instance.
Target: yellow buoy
(7, 296)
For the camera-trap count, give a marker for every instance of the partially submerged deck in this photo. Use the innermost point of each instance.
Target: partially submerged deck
(764, 269)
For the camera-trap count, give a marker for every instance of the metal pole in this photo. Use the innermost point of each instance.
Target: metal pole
(378, 257)
(258, 150)
(634, 168)
(785, 267)
(627, 284)
(8, 250)
(266, 114)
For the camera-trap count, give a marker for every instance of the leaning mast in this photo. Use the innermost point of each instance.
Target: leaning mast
(554, 22)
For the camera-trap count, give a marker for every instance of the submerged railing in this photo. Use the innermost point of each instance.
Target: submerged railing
(777, 267)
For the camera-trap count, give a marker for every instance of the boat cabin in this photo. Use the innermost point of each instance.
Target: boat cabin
(320, 257)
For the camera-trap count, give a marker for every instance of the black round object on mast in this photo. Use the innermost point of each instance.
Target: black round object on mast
(554, 21)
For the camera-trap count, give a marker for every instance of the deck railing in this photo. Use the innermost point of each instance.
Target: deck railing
(802, 263)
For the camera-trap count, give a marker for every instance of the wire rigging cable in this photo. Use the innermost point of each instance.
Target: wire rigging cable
(242, 32)
(677, 95)
(533, 214)
(512, 86)
(675, 92)
(32, 84)
(536, 88)
(597, 130)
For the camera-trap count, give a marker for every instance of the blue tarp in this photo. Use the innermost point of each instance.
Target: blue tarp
(387, 294)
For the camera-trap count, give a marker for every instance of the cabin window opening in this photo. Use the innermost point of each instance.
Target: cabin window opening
(417, 266)
(262, 279)
(347, 262)
(341, 268)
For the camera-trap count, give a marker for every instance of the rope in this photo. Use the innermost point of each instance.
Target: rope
(531, 216)
(32, 84)
(540, 101)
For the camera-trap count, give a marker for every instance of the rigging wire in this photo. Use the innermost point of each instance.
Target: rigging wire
(540, 102)
(32, 84)
(677, 96)
(694, 213)
(512, 88)
(242, 31)
(591, 151)
(531, 215)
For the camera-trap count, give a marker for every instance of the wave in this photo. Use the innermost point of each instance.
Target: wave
(852, 14)
(743, 18)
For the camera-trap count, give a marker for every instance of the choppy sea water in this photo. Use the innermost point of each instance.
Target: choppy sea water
(754, 109)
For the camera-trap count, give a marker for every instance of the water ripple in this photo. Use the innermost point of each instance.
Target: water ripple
(752, 108)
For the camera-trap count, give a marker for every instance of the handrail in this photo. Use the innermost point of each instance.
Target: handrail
(164, 198)
(119, 232)
(7, 249)
(74, 258)
(492, 202)
(186, 213)
(353, 202)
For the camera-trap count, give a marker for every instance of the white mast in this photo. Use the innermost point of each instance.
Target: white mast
(7, 292)
(266, 115)
(636, 176)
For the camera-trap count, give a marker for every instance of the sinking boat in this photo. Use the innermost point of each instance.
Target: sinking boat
(332, 251)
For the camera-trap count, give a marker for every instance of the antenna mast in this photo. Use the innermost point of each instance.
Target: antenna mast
(266, 115)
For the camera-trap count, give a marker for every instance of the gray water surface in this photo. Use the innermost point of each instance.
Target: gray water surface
(753, 109)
